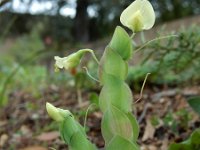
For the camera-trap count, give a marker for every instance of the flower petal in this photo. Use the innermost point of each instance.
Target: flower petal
(59, 62)
(54, 112)
(138, 16)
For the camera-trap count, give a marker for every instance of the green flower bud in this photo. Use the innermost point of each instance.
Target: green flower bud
(72, 60)
(138, 16)
(70, 130)
(56, 114)
(68, 62)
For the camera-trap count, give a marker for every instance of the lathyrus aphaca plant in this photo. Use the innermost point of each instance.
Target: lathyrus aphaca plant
(119, 126)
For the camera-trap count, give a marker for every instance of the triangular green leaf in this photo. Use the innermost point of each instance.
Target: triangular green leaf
(105, 128)
(67, 128)
(135, 126)
(122, 43)
(193, 143)
(117, 93)
(112, 64)
(115, 122)
(80, 142)
(120, 143)
(180, 146)
(195, 139)
(194, 102)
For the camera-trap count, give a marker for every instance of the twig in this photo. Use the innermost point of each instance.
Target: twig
(146, 107)
(79, 95)
(85, 119)
(141, 92)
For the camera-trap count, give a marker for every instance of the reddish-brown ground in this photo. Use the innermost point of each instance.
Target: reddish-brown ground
(25, 125)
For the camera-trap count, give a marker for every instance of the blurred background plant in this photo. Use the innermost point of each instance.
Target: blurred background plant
(171, 61)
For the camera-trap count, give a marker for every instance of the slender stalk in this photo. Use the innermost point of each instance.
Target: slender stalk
(159, 38)
(86, 114)
(93, 55)
(132, 35)
(79, 96)
(141, 92)
(93, 78)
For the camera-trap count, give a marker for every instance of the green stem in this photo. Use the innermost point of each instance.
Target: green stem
(86, 114)
(93, 55)
(93, 78)
(159, 38)
(79, 95)
(132, 35)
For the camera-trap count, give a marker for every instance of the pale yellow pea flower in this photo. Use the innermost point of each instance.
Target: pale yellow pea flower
(68, 62)
(138, 16)
(73, 60)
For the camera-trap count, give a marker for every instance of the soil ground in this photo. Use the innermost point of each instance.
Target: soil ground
(25, 125)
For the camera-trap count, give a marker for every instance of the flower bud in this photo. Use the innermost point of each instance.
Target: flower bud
(70, 61)
(138, 16)
(57, 114)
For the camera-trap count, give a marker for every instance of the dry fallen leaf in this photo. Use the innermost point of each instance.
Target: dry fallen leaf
(48, 136)
(25, 130)
(149, 131)
(148, 147)
(165, 144)
(98, 114)
(152, 147)
(34, 148)
(3, 139)
(3, 123)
